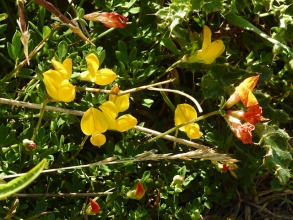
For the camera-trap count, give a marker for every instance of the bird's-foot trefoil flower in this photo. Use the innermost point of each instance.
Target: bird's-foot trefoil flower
(96, 121)
(183, 114)
(138, 193)
(57, 81)
(93, 207)
(109, 19)
(121, 102)
(243, 93)
(210, 50)
(101, 77)
(121, 124)
(253, 115)
(241, 131)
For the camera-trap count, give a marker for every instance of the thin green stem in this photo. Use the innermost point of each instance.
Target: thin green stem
(99, 37)
(20, 65)
(77, 152)
(183, 124)
(40, 119)
(167, 70)
(167, 100)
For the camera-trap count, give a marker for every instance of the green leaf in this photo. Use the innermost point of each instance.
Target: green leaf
(275, 141)
(3, 27)
(46, 31)
(3, 16)
(134, 10)
(21, 182)
(123, 55)
(212, 5)
(62, 49)
(11, 51)
(16, 42)
(132, 55)
(167, 42)
(212, 88)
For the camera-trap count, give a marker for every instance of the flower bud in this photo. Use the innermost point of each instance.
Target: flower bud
(93, 208)
(138, 193)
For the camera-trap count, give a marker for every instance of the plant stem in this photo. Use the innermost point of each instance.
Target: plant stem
(186, 123)
(40, 119)
(77, 152)
(167, 70)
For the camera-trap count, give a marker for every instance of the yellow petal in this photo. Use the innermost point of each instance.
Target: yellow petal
(121, 102)
(93, 121)
(110, 112)
(92, 65)
(105, 77)
(66, 92)
(192, 131)
(65, 69)
(98, 139)
(85, 76)
(125, 122)
(215, 50)
(52, 81)
(207, 34)
(184, 113)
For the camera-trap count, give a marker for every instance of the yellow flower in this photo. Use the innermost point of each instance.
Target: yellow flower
(123, 123)
(210, 50)
(121, 102)
(57, 81)
(183, 114)
(96, 121)
(100, 77)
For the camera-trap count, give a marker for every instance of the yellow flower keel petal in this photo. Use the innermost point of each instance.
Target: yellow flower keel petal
(98, 139)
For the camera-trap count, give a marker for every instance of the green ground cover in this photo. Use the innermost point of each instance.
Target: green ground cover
(146, 109)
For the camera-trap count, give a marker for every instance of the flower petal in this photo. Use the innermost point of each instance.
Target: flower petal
(192, 131)
(246, 96)
(64, 68)
(207, 35)
(110, 112)
(98, 139)
(121, 102)
(184, 113)
(93, 121)
(92, 65)
(66, 92)
(125, 122)
(105, 76)
(52, 80)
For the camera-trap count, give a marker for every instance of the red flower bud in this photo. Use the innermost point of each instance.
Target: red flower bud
(225, 168)
(109, 19)
(94, 208)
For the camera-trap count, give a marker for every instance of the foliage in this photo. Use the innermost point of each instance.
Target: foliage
(127, 48)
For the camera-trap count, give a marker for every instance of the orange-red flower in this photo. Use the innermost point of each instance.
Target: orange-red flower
(244, 93)
(241, 131)
(138, 193)
(94, 208)
(253, 115)
(109, 19)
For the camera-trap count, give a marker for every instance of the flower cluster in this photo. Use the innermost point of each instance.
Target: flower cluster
(183, 114)
(210, 50)
(253, 115)
(94, 122)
